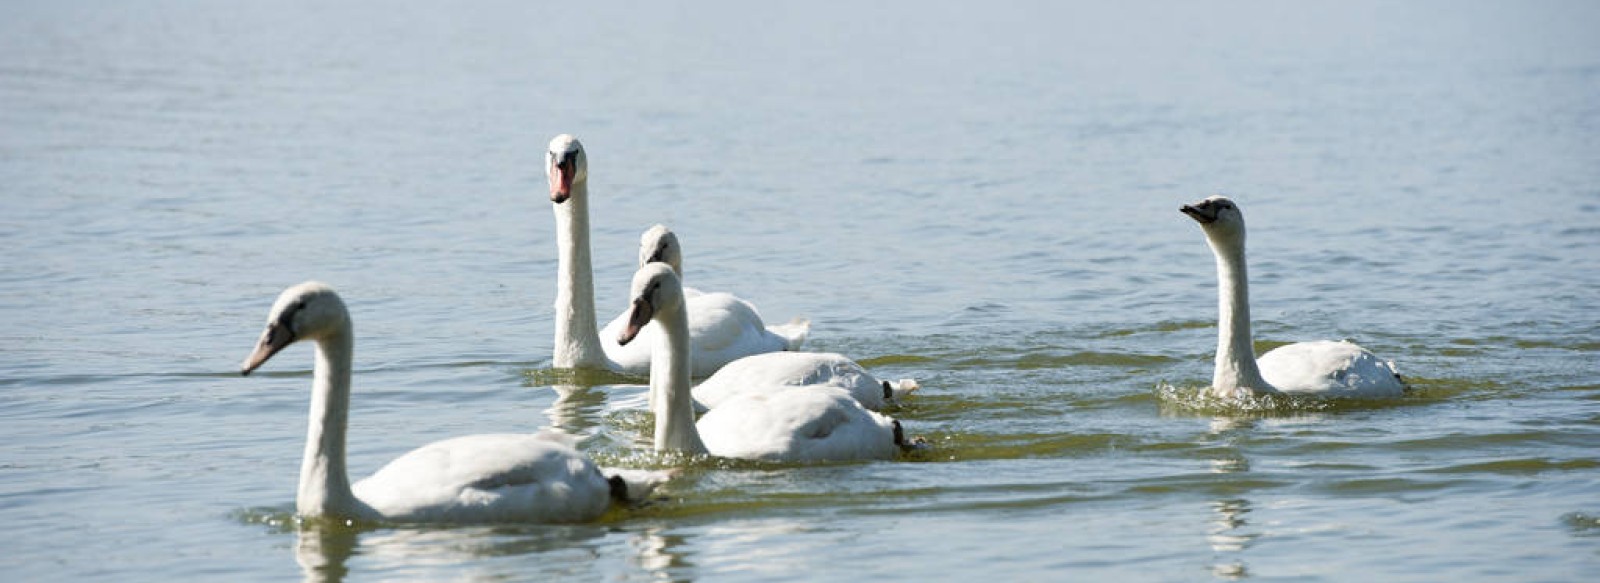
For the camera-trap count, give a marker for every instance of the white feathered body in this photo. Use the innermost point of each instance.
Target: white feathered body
(791, 424)
(1331, 369)
(797, 369)
(489, 478)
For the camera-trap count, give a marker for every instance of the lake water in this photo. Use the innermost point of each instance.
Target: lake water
(981, 197)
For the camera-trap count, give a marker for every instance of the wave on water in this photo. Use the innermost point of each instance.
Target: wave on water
(1197, 400)
(545, 377)
(1582, 524)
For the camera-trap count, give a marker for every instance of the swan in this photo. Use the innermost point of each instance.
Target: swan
(1321, 368)
(472, 479)
(800, 369)
(726, 329)
(782, 424)
(722, 327)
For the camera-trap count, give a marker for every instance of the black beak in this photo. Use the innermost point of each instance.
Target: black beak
(1199, 213)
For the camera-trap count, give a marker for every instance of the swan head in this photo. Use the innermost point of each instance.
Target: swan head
(656, 291)
(660, 245)
(565, 165)
(308, 311)
(1219, 217)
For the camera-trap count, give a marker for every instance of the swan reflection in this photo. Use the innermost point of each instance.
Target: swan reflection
(322, 550)
(576, 410)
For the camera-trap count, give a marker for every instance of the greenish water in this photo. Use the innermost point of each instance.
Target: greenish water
(982, 198)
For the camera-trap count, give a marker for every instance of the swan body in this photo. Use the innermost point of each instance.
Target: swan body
(473, 479)
(1330, 368)
(724, 327)
(1323, 368)
(780, 424)
(805, 424)
(800, 369)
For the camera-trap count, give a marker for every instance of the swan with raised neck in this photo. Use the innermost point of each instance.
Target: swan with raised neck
(577, 335)
(470, 479)
(1326, 368)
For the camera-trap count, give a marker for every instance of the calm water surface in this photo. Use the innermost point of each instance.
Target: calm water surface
(983, 198)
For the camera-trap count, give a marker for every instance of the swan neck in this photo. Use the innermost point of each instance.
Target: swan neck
(1236, 368)
(324, 482)
(669, 384)
(577, 340)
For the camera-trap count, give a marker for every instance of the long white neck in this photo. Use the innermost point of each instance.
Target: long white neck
(324, 483)
(577, 342)
(1236, 355)
(669, 382)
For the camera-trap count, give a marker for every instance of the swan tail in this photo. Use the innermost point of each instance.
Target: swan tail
(631, 486)
(794, 332)
(904, 387)
(1396, 372)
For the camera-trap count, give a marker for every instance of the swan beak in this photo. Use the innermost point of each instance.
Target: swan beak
(1200, 214)
(561, 173)
(274, 339)
(638, 317)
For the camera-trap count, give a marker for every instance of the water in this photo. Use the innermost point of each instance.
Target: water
(983, 198)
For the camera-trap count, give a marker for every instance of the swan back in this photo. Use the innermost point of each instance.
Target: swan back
(1330, 368)
(489, 478)
(798, 424)
(794, 369)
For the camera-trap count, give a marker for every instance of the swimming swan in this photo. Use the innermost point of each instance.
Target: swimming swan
(782, 424)
(722, 327)
(472, 479)
(578, 343)
(1323, 368)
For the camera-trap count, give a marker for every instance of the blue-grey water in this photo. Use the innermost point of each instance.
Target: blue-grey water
(983, 197)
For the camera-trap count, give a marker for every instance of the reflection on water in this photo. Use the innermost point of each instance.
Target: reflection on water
(659, 552)
(322, 551)
(576, 410)
(1227, 534)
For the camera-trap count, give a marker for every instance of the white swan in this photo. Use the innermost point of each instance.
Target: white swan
(800, 369)
(781, 424)
(723, 329)
(472, 479)
(1323, 368)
